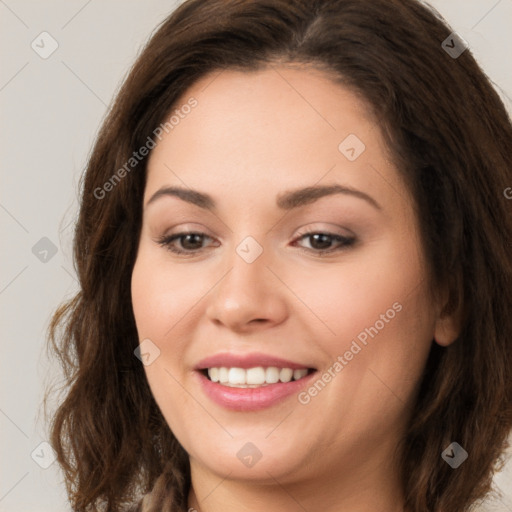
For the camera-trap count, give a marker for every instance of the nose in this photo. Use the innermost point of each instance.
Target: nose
(249, 297)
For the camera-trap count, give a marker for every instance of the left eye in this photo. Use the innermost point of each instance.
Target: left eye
(192, 242)
(189, 242)
(322, 242)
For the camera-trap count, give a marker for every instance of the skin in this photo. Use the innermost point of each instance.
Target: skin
(253, 136)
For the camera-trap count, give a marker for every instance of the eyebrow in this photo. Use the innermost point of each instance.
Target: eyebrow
(287, 200)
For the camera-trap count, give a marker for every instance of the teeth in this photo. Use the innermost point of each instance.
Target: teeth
(223, 375)
(213, 373)
(298, 374)
(237, 376)
(272, 375)
(286, 375)
(254, 377)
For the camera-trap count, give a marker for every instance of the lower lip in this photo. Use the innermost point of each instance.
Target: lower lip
(252, 399)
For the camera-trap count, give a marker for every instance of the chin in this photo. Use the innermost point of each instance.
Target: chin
(261, 461)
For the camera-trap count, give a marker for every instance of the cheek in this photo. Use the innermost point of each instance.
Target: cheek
(160, 303)
(374, 309)
(383, 328)
(162, 295)
(388, 337)
(345, 299)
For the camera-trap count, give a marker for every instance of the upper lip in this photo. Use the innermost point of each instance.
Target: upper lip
(252, 360)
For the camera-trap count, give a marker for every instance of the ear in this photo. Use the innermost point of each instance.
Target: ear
(448, 321)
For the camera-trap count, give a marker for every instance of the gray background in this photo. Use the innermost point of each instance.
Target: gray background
(51, 110)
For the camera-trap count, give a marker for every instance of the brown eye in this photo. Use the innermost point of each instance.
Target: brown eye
(322, 243)
(189, 242)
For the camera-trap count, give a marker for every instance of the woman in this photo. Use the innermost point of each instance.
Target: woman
(295, 275)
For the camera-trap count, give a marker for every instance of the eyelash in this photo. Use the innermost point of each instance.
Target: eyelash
(166, 242)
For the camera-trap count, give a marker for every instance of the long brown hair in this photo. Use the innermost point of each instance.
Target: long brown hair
(451, 139)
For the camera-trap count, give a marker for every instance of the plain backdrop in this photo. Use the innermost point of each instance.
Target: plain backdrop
(51, 109)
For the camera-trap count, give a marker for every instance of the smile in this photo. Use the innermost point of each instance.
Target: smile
(254, 377)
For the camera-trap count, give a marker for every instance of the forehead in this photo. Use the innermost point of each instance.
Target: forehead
(280, 126)
(302, 100)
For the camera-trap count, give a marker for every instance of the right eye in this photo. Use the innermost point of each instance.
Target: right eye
(190, 242)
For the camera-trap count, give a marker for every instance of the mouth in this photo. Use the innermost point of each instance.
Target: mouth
(254, 388)
(251, 381)
(254, 377)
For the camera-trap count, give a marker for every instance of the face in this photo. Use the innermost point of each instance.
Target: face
(279, 243)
